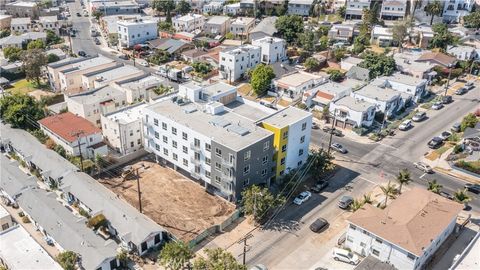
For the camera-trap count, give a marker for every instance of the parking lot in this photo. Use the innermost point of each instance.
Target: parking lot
(172, 200)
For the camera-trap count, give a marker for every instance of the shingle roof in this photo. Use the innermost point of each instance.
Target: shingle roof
(438, 57)
(411, 221)
(67, 125)
(266, 26)
(354, 104)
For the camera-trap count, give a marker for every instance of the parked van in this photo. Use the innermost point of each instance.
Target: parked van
(345, 256)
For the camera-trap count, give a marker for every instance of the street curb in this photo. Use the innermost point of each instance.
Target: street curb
(461, 177)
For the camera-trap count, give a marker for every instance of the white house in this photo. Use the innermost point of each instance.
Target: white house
(21, 25)
(299, 7)
(341, 32)
(393, 10)
(273, 49)
(386, 100)
(232, 9)
(103, 77)
(325, 93)
(295, 84)
(217, 25)
(235, 62)
(462, 52)
(137, 31)
(406, 64)
(241, 26)
(454, 10)
(213, 7)
(189, 22)
(381, 36)
(352, 112)
(349, 62)
(354, 10)
(49, 23)
(75, 134)
(416, 87)
(407, 233)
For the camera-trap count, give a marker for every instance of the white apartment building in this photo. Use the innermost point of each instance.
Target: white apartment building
(407, 233)
(299, 7)
(242, 26)
(393, 10)
(295, 84)
(49, 23)
(139, 88)
(416, 87)
(386, 100)
(350, 112)
(232, 9)
(273, 49)
(454, 10)
(213, 7)
(123, 129)
(21, 25)
(137, 31)
(354, 10)
(235, 62)
(189, 22)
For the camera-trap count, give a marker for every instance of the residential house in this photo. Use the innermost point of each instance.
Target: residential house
(455, 10)
(393, 10)
(235, 62)
(416, 87)
(123, 130)
(382, 36)
(464, 53)
(172, 46)
(103, 77)
(273, 49)
(217, 25)
(247, 6)
(5, 21)
(358, 73)
(241, 26)
(6, 220)
(137, 31)
(21, 25)
(23, 9)
(189, 22)
(407, 64)
(386, 100)
(266, 28)
(13, 68)
(49, 23)
(325, 93)
(407, 233)
(110, 7)
(22, 40)
(232, 9)
(295, 84)
(354, 10)
(66, 75)
(213, 7)
(299, 7)
(422, 35)
(58, 52)
(349, 62)
(139, 88)
(351, 112)
(341, 32)
(75, 134)
(193, 55)
(437, 58)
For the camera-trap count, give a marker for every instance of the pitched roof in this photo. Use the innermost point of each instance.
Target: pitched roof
(67, 125)
(354, 104)
(167, 44)
(266, 26)
(411, 221)
(358, 73)
(438, 57)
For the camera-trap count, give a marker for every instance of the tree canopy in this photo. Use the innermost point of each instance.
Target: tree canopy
(311, 63)
(441, 37)
(258, 202)
(472, 20)
(36, 44)
(289, 26)
(217, 259)
(433, 9)
(67, 260)
(183, 7)
(378, 64)
(175, 255)
(400, 31)
(12, 53)
(469, 121)
(261, 78)
(52, 38)
(336, 75)
(21, 111)
(165, 6)
(33, 61)
(51, 57)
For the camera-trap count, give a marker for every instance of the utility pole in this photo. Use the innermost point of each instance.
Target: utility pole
(244, 240)
(331, 131)
(448, 80)
(139, 192)
(77, 134)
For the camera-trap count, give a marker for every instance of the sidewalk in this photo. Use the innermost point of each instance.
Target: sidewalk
(444, 167)
(347, 133)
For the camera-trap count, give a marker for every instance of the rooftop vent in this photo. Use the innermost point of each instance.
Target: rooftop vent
(220, 122)
(191, 109)
(238, 130)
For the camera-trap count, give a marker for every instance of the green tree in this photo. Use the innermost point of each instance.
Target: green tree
(52, 38)
(165, 6)
(389, 191)
(162, 90)
(378, 64)
(67, 260)
(472, 20)
(341, 12)
(51, 57)
(21, 111)
(307, 41)
(60, 150)
(12, 53)
(323, 30)
(5, 33)
(433, 9)
(261, 78)
(311, 64)
(336, 75)
(97, 14)
(321, 162)
(318, 9)
(441, 37)
(461, 196)
(258, 202)
(289, 27)
(400, 31)
(367, 198)
(217, 259)
(165, 26)
(112, 39)
(183, 7)
(322, 43)
(33, 61)
(36, 44)
(202, 67)
(122, 255)
(159, 57)
(175, 255)
(434, 187)
(339, 53)
(403, 178)
(229, 35)
(360, 43)
(370, 16)
(469, 121)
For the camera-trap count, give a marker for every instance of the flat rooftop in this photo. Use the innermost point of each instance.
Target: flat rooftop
(87, 63)
(116, 73)
(333, 88)
(297, 79)
(227, 128)
(286, 117)
(405, 79)
(3, 212)
(97, 95)
(128, 115)
(23, 251)
(218, 88)
(218, 20)
(143, 82)
(354, 104)
(375, 92)
(240, 49)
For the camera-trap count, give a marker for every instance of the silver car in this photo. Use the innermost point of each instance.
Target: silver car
(423, 167)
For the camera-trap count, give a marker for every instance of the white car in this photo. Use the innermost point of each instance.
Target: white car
(423, 167)
(407, 124)
(303, 197)
(437, 105)
(345, 256)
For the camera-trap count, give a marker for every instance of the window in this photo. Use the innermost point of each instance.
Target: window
(353, 227)
(175, 156)
(218, 167)
(207, 174)
(299, 163)
(264, 159)
(208, 147)
(304, 126)
(155, 122)
(157, 135)
(131, 132)
(217, 179)
(302, 139)
(196, 142)
(156, 239)
(174, 131)
(282, 161)
(411, 256)
(139, 142)
(197, 169)
(349, 239)
(246, 181)
(185, 149)
(185, 162)
(165, 151)
(378, 240)
(376, 252)
(285, 134)
(207, 161)
(184, 136)
(264, 172)
(300, 152)
(218, 152)
(157, 147)
(132, 144)
(164, 126)
(247, 155)
(266, 145)
(362, 244)
(165, 139)
(246, 170)
(174, 144)
(284, 148)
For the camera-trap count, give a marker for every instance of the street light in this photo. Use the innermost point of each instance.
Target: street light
(448, 80)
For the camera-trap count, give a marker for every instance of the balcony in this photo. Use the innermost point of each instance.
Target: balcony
(195, 147)
(195, 161)
(227, 163)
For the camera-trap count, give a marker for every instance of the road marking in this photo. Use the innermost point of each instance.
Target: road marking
(365, 179)
(423, 175)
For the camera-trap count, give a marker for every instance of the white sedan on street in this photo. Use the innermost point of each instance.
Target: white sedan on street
(303, 197)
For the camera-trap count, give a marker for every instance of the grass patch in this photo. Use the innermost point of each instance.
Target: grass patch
(245, 89)
(432, 156)
(25, 87)
(442, 150)
(471, 166)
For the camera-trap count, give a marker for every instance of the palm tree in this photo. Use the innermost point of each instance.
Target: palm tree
(319, 9)
(434, 187)
(357, 204)
(461, 196)
(416, 5)
(367, 198)
(388, 191)
(403, 178)
(433, 9)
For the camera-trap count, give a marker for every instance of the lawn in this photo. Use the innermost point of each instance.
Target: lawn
(472, 166)
(24, 87)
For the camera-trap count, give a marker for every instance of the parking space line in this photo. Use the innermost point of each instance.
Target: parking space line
(423, 175)
(365, 179)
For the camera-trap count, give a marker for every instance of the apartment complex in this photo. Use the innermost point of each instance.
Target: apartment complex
(217, 25)
(354, 10)
(299, 7)
(393, 10)
(241, 26)
(454, 10)
(273, 49)
(23, 9)
(136, 31)
(49, 23)
(189, 22)
(235, 62)
(21, 25)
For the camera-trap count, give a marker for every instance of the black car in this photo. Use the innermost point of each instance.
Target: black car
(78, 14)
(461, 91)
(97, 41)
(334, 131)
(435, 142)
(82, 53)
(319, 225)
(446, 195)
(447, 99)
(319, 186)
(475, 188)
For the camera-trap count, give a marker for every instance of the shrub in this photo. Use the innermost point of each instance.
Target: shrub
(458, 148)
(25, 219)
(97, 221)
(84, 213)
(473, 166)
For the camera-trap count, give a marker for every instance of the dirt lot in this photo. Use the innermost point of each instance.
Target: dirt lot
(172, 200)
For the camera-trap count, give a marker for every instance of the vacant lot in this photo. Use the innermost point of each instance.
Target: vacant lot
(172, 200)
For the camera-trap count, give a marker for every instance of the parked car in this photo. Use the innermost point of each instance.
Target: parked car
(435, 142)
(97, 41)
(82, 53)
(345, 256)
(123, 56)
(469, 86)
(420, 116)
(314, 125)
(475, 188)
(461, 91)
(437, 105)
(339, 148)
(423, 167)
(319, 225)
(335, 131)
(78, 14)
(345, 202)
(303, 197)
(456, 127)
(447, 99)
(445, 135)
(446, 195)
(319, 186)
(407, 124)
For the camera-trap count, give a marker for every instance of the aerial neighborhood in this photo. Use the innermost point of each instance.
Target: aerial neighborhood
(239, 134)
